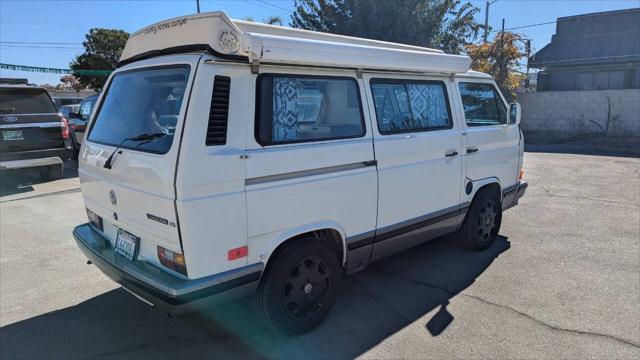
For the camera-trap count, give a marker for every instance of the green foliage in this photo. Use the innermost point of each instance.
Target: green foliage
(103, 48)
(501, 59)
(444, 24)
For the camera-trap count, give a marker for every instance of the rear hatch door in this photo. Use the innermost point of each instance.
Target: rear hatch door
(137, 194)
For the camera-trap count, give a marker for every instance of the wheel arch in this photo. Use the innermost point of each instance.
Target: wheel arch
(326, 231)
(482, 184)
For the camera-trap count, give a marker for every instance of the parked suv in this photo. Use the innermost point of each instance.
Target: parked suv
(33, 133)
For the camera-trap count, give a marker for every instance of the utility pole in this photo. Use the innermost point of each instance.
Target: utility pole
(486, 19)
(198, 5)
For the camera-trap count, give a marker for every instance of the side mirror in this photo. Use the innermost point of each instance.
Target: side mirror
(515, 113)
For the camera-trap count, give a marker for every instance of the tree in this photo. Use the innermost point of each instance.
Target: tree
(500, 58)
(271, 20)
(103, 48)
(69, 82)
(444, 24)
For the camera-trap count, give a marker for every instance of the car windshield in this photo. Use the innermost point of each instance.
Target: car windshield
(25, 101)
(141, 102)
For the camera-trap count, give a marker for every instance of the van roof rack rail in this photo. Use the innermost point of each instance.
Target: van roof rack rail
(257, 43)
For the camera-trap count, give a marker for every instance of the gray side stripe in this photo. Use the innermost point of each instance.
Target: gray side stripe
(419, 219)
(32, 125)
(310, 172)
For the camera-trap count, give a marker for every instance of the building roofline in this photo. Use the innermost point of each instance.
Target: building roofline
(598, 13)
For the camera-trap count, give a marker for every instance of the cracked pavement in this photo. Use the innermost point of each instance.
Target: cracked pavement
(562, 281)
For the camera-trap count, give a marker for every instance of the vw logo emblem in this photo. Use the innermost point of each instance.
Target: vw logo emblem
(112, 197)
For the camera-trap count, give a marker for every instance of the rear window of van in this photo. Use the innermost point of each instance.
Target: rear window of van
(143, 101)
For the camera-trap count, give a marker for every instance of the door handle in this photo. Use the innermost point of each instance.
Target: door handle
(471, 149)
(451, 152)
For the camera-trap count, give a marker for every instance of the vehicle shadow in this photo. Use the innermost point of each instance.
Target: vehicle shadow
(371, 306)
(594, 145)
(21, 181)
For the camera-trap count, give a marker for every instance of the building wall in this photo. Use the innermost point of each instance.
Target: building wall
(568, 113)
(600, 76)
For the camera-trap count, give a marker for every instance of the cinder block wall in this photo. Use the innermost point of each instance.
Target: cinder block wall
(568, 113)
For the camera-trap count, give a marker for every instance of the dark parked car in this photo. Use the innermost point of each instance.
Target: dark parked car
(69, 111)
(78, 122)
(33, 133)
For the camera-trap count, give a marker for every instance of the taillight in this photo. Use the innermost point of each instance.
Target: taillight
(64, 126)
(172, 260)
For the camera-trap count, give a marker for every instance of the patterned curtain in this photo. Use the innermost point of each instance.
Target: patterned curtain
(428, 105)
(285, 109)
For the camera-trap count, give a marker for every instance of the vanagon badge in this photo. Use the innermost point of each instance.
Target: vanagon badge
(113, 198)
(228, 41)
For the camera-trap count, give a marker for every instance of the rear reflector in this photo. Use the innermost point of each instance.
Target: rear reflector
(238, 253)
(172, 260)
(521, 175)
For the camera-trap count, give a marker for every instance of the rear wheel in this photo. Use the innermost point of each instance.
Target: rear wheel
(482, 223)
(299, 288)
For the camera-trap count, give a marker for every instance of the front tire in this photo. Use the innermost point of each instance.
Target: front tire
(299, 288)
(482, 223)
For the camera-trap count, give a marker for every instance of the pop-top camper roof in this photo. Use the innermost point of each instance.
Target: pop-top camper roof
(260, 43)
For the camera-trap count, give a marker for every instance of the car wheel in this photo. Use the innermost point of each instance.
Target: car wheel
(299, 288)
(482, 223)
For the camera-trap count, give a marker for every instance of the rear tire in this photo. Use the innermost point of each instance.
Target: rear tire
(482, 223)
(299, 288)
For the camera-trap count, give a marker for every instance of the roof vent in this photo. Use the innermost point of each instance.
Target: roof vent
(219, 112)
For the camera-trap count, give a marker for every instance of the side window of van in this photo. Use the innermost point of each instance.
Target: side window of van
(409, 106)
(482, 104)
(296, 108)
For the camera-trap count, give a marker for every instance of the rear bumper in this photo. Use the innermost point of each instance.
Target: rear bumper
(512, 195)
(158, 288)
(30, 163)
(37, 155)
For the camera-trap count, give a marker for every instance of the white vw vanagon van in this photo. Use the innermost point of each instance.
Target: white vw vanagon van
(227, 158)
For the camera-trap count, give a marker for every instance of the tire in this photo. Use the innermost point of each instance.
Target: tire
(299, 288)
(482, 223)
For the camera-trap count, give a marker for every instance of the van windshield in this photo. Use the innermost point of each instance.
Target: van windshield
(137, 102)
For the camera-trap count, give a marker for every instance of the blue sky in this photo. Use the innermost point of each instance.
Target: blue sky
(46, 22)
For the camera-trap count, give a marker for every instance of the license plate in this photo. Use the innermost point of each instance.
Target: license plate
(12, 135)
(126, 244)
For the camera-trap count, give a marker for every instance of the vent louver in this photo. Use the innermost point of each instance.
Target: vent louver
(219, 111)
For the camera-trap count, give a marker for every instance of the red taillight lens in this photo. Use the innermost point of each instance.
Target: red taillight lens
(64, 125)
(172, 260)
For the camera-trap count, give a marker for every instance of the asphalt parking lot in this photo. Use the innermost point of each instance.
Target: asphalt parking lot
(563, 281)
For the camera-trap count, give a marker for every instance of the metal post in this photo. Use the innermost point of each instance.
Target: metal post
(198, 5)
(486, 21)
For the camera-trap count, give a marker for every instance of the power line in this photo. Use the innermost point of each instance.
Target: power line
(264, 7)
(526, 26)
(38, 43)
(274, 5)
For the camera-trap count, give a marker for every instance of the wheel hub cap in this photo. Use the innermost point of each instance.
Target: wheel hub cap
(308, 288)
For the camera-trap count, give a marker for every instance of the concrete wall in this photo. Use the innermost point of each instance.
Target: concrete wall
(568, 113)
